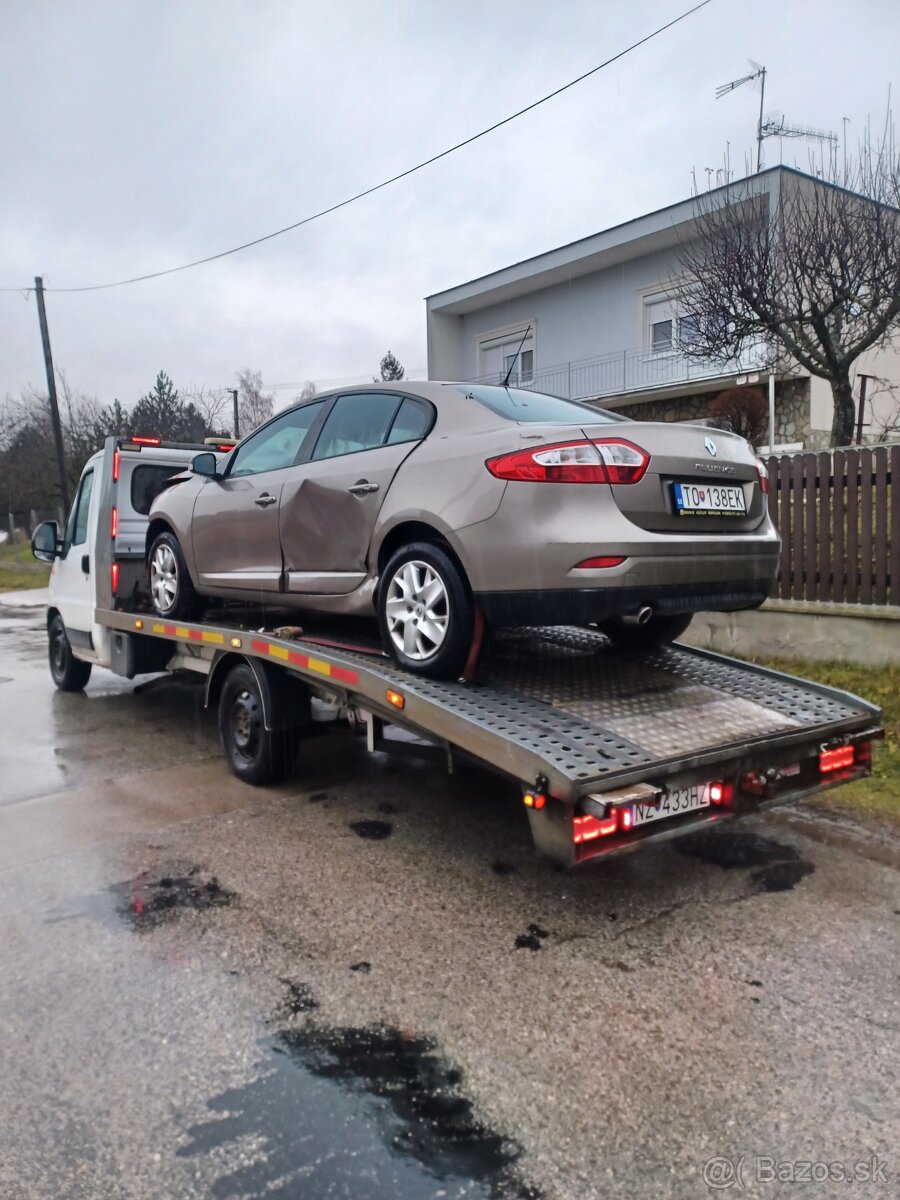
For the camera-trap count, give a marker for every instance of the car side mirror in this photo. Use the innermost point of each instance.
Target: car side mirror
(45, 541)
(205, 464)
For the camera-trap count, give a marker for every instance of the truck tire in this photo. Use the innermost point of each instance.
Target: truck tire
(658, 631)
(255, 754)
(171, 587)
(69, 673)
(425, 611)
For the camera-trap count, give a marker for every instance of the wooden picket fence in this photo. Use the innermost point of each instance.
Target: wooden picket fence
(838, 513)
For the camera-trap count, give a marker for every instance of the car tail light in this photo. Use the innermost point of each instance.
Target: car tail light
(604, 561)
(762, 474)
(836, 759)
(609, 460)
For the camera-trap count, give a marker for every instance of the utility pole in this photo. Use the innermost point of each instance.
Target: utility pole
(863, 380)
(51, 389)
(237, 421)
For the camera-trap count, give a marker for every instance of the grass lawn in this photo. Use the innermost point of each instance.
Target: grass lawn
(879, 795)
(19, 569)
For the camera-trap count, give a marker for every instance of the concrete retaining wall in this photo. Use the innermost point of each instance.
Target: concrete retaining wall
(853, 633)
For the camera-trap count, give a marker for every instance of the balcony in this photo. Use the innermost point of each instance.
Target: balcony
(631, 372)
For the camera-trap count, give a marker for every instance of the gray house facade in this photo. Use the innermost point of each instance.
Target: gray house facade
(600, 320)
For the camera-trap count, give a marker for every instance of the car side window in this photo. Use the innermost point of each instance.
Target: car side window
(76, 532)
(277, 444)
(358, 421)
(411, 423)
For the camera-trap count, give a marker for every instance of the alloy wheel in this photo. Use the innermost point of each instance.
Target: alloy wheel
(163, 577)
(417, 609)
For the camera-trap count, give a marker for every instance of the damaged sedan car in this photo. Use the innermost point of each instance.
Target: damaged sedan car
(433, 505)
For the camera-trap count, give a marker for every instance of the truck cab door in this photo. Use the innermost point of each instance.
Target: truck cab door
(72, 580)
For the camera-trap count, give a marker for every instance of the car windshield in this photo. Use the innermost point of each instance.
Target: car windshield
(517, 404)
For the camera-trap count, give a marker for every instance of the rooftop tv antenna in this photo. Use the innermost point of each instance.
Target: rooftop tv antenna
(760, 74)
(775, 126)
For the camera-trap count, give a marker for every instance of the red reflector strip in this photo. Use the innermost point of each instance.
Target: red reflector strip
(590, 564)
(586, 829)
(307, 662)
(835, 760)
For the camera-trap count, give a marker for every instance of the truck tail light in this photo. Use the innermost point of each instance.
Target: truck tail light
(587, 828)
(836, 759)
(116, 466)
(114, 523)
(145, 441)
(114, 577)
(610, 460)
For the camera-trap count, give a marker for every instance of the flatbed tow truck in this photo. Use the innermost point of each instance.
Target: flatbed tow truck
(611, 749)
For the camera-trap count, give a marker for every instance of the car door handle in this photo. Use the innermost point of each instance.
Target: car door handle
(362, 487)
(265, 500)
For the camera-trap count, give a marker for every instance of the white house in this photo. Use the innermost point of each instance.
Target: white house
(599, 320)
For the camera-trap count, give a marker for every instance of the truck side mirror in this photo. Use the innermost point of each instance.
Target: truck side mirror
(205, 464)
(45, 541)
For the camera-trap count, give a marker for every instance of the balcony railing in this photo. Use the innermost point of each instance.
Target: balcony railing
(629, 371)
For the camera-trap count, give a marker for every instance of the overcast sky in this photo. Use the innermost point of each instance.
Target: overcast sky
(140, 135)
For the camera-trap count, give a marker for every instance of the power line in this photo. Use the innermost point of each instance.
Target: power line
(394, 178)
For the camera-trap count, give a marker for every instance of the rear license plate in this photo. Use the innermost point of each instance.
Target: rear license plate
(673, 804)
(700, 499)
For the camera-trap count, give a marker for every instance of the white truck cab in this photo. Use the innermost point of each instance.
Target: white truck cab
(100, 553)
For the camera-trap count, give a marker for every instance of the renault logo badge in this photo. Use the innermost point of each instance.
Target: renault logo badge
(711, 447)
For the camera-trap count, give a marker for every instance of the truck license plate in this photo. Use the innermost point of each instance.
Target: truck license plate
(699, 499)
(672, 804)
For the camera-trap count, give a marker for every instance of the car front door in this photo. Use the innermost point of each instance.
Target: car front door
(329, 504)
(234, 527)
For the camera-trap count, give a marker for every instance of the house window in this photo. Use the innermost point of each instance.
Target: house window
(661, 335)
(507, 353)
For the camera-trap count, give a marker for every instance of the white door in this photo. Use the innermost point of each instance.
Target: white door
(72, 590)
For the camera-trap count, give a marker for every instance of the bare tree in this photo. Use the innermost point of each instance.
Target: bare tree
(308, 390)
(254, 405)
(812, 268)
(213, 405)
(884, 418)
(744, 411)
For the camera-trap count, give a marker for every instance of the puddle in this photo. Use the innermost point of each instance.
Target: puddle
(355, 1113)
(782, 876)
(373, 831)
(146, 901)
(735, 849)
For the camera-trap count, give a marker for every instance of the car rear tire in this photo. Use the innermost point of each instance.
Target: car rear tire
(425, 611)
(69, 673)
(658, 631)
(171, 588)
(255, 754)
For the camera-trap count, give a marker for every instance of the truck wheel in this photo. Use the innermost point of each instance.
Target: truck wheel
(171, 589)
(658, 631)
(69, 673)
(255, 754)
(425, 611)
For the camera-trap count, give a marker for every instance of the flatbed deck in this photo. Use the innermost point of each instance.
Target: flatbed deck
(582, 725)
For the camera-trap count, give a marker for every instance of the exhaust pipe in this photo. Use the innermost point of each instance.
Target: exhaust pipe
(641, 617)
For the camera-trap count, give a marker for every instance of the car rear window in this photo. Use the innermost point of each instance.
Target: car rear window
(517, 404)
(146, 484)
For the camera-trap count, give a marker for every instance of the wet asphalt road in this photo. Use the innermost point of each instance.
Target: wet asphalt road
(212, 990)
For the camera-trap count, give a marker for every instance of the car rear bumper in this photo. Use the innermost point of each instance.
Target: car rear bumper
(582, 605)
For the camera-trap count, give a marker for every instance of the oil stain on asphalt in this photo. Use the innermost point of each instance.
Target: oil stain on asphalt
(147, 902)
(780, 867)
(356, 1113)
(373, 831)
